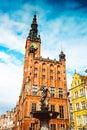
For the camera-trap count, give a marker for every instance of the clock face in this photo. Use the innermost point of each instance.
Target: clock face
(34, 45)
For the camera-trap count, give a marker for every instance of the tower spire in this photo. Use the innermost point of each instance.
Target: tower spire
(62, 56)
(33, 34)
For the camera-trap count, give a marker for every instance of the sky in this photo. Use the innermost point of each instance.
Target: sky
(62, 25)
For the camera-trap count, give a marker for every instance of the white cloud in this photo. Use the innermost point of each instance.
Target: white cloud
(10, 80)
(8, 34)
(4, 57)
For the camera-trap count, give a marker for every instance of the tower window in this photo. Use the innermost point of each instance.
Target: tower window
(35, 68)
(43, 76)
(33, 106)
(58, 72)
(79, 120)
(35, 75)
(76, 94)
(62, 126)
(77, 107)
(52, 92)
(43, 70)
(34, 90)
(52, 107)
(85, 119)
(83, 105)
(60, 91)
(81, 92)
(52, 126)
(51, 77)
(51, 71)
(61, 111)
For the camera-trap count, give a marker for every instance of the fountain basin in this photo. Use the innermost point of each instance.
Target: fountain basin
(45, 115)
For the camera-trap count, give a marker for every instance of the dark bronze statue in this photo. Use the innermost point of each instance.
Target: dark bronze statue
(44, 101)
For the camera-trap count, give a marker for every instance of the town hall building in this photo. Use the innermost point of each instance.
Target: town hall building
(38, 72)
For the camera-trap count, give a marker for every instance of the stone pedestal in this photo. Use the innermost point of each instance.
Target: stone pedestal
(44, 125)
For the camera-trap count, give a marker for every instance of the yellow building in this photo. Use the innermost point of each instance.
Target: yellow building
(79, 101)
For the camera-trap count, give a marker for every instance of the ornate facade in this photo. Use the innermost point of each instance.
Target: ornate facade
(7, 121)
(79, 101)
(40, 72)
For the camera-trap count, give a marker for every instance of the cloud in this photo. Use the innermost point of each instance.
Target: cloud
(11, 79)
(8, 32)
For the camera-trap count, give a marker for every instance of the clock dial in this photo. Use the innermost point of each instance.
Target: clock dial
(33, 47)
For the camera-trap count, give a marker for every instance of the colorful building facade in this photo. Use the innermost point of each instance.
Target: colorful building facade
(7, 121)
(79, 101)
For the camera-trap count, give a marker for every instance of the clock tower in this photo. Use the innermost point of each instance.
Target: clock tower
(33, 40)
(32, 50)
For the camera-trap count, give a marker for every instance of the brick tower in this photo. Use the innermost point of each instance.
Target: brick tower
(40, 72)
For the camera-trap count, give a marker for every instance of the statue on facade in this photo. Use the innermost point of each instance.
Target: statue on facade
(44, 100)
